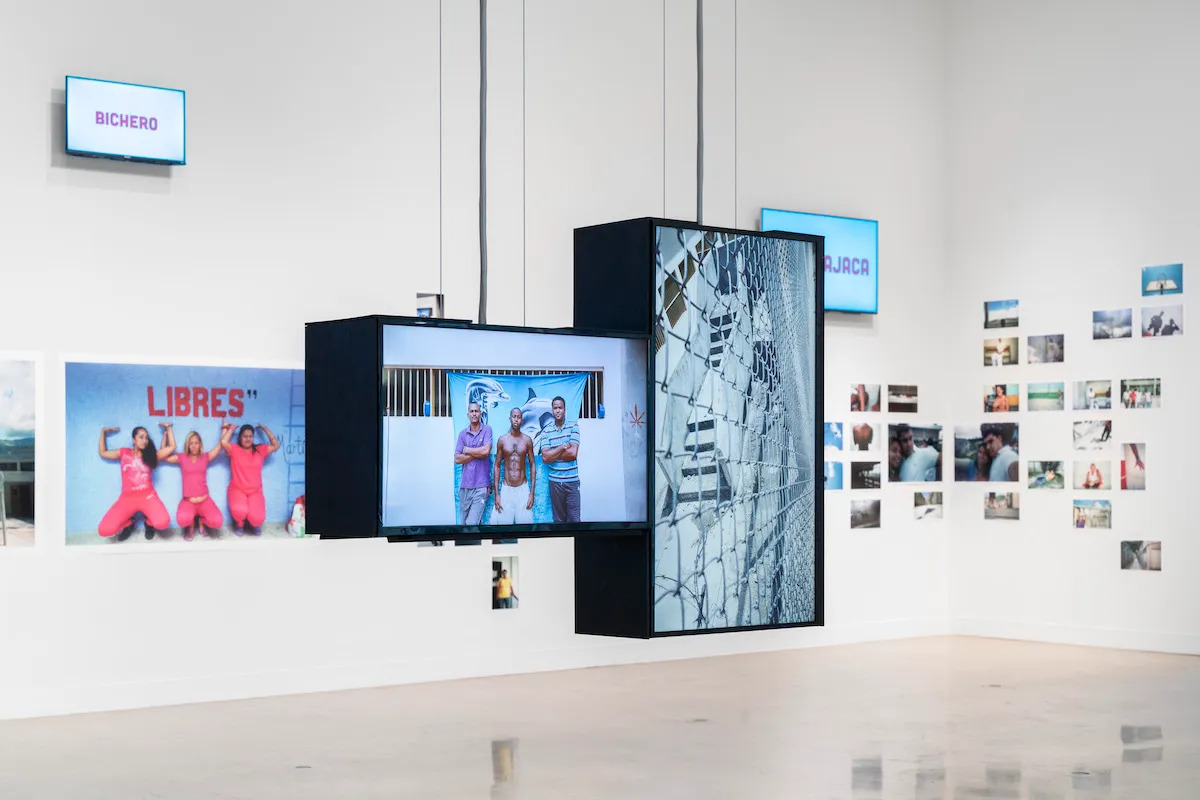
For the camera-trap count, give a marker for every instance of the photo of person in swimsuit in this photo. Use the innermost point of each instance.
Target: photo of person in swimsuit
(515, 460)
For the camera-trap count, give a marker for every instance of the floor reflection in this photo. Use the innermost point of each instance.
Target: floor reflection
(1086, 779)
(1049, 789)
(924, 719)
(930, 783)
(1133, 734)
(879, 776)
(1003, 782)
(1142, 756)
(1143, 744)
(504, 769)
(866, 778)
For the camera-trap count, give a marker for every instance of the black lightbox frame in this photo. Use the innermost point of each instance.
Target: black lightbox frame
(343, 361)
(614, 577)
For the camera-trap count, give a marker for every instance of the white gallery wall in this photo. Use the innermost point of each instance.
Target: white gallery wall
(1031, 150)
(1072, 164)
(333, 172)
(860, 137)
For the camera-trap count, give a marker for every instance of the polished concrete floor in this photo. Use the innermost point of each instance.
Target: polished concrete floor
(926, 718)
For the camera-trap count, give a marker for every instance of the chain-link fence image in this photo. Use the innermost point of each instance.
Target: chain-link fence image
(735, 478)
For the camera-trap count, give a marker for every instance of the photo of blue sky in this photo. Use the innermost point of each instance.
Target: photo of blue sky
(1001, 313)
(833, 435)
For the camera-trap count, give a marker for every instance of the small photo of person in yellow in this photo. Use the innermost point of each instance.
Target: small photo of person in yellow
(504, 583)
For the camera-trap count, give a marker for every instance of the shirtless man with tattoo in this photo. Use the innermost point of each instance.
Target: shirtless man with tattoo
(514, 452)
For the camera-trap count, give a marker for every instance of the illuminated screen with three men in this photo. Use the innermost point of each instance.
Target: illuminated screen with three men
(512, 428)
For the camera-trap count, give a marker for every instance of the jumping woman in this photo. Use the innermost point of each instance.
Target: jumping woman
(247, 505)
(197, 508)
(137, 483)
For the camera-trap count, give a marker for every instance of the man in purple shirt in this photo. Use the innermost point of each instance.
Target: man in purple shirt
(472, 451)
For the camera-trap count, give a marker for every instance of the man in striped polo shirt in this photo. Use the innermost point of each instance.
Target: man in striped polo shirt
(560, 448)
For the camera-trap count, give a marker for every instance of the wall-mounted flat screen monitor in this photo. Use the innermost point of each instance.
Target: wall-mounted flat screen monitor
(511, 431)
(126, 121)
(851, 256)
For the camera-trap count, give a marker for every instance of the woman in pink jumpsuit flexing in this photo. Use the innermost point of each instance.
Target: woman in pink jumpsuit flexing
(247, 505)
(196, 508)
(137, 483)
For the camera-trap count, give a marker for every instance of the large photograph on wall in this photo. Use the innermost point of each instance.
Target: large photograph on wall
(495, 427)
(166, 453)
(735, 453)
(17, 451)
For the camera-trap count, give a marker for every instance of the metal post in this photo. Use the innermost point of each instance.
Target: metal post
(483, 265)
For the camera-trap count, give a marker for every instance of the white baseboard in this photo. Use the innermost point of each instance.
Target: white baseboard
(587, 651)
(1116, 638)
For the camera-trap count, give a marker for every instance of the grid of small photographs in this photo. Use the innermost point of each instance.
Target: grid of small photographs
(864, 513)
(865, 475)
(834, 441)
(865, 437)
(1116, 323)
(1141, 393)
(1001, 314)
(833, 436)
(1000, 352)
(914, 452)
(1092, 395)
(1002, 506)
(902, 398)
(1091, 434)
(864, 397)
(1092, 513)
(1045, 396)
(927, 505)
(865, 453)
(1046, 475)
(1093, 474)
(833, 475)
(1103, 460)
(989, 452)
(1049, 349)
(1164, 316)
(1141, 556)
(1133, 466)
(1162, 280)
(1001, 398)
(1162, 321)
